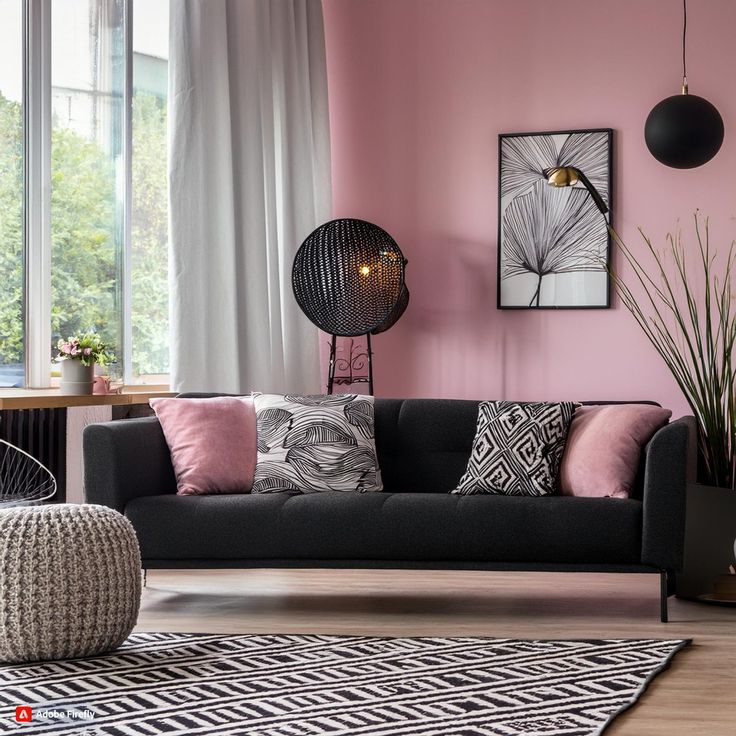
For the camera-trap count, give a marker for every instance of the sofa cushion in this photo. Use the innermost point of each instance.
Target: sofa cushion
(604, 448)
(517, 448)
(212, 442)
(389, 526)
(311, 444)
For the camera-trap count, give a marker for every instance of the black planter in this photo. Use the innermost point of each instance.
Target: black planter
(710, 529)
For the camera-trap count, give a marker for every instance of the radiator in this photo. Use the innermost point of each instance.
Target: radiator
(42, 434)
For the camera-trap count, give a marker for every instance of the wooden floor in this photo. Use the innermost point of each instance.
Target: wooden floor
(697, 695)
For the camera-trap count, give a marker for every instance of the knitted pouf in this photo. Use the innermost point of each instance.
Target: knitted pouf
(70, 581)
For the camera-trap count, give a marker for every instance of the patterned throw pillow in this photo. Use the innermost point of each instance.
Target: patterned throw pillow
(517, 448)
(309, 444)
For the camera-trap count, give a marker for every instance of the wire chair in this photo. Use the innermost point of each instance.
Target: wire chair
(23, 480)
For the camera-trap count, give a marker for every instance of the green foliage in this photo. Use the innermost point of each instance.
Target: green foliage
(11, 232)
(695, 334)
(150, 237)
(83, 251)
(85, 262)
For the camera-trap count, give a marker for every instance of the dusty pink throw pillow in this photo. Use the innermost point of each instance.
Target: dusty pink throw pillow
(603, 448)
(212, 443)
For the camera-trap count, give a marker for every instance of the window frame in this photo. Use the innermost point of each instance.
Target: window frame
(37, 191)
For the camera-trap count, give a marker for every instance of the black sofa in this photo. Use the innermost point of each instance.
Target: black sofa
(423, 448)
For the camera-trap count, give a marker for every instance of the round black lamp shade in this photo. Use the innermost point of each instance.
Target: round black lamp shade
(684, 131)
(348, 277)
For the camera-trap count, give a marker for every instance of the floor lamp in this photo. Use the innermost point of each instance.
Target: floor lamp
(567, 176)
(348, 279)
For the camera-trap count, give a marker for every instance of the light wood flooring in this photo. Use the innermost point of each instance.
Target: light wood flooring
(696, 695)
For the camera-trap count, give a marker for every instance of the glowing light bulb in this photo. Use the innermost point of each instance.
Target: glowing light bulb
(365, 270)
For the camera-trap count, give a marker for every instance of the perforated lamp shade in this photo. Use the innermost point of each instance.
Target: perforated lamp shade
(348, 277)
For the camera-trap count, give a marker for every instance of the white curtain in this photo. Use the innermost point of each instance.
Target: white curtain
(249, 180)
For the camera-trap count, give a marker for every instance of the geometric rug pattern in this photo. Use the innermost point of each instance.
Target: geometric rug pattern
(314, 685)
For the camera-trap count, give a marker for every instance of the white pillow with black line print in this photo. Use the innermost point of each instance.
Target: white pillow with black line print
(308, 444)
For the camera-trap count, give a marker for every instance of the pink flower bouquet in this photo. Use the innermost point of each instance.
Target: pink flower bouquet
(87, 348)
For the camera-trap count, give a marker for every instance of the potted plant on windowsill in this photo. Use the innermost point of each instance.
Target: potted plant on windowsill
(688, 312)
(78, 356)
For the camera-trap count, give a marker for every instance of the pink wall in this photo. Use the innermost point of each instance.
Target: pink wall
(420, 90)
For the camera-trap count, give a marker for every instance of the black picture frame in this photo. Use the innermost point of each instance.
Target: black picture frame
(534, 231)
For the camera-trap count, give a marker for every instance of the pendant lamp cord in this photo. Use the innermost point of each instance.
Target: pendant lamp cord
(684, 38)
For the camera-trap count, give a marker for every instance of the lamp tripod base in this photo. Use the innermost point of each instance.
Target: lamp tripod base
(356, 360)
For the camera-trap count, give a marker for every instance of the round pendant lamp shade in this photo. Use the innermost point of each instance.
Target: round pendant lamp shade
(348, 277)
(684, 131)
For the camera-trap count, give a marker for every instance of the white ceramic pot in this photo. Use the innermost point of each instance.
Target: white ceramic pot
(76, 379)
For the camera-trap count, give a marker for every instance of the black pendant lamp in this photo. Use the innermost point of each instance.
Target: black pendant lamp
(684, 131)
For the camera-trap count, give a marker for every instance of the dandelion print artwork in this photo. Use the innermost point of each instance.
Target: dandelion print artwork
(553, 243)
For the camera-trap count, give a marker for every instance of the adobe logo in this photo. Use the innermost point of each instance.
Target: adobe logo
(23, 714)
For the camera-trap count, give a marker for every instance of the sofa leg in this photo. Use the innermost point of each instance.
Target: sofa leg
(663, 593)
(145, 577)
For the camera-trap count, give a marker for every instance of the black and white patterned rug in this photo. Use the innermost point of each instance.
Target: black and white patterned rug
(308, 685)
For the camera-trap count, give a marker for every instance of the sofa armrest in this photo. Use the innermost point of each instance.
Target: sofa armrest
(668, 466)
(126, 459)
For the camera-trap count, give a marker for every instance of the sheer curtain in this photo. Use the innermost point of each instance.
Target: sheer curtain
(249, 180)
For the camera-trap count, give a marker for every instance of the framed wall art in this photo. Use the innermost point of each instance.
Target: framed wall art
(553, 241)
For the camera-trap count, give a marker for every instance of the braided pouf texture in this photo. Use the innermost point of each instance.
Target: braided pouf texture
(70, 581)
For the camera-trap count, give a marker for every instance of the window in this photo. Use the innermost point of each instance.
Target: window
(87, 138)
(99, 124)
(11, 194)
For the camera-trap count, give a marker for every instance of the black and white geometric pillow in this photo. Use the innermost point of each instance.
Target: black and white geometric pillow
(308, 444)
(517, 448)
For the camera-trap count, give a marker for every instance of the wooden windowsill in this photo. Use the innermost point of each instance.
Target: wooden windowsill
(51, 398)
